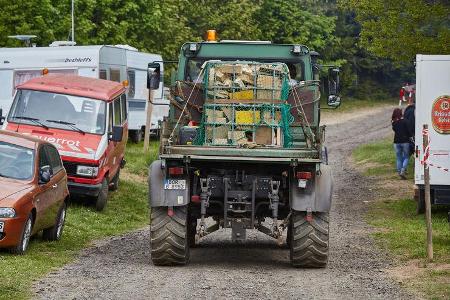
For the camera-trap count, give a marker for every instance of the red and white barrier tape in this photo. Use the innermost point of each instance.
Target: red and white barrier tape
(426, 155)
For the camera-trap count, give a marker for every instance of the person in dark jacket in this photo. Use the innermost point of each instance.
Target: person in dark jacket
(410, 116)
(402, 136)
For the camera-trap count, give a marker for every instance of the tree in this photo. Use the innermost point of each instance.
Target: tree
(399, 29)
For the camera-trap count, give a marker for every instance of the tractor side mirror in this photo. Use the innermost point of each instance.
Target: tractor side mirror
(334, 100)
(153, 76)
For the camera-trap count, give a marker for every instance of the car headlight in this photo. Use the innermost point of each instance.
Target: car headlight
(7, 212)
(87, 171)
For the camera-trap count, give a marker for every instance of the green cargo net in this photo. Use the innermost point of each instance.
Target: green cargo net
(246, 125)
(243, 81)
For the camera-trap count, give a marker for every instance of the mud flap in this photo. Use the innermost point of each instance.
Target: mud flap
(158, 196)
(317, 194)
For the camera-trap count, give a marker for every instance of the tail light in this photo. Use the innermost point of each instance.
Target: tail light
(176, 171)
(304, 175)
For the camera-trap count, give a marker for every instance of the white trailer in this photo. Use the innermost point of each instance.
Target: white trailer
(137, 64)
(433, 108)
(115, 63)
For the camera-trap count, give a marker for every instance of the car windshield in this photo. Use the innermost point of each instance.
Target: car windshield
(16, 162)
(59, 111)
(193, 67)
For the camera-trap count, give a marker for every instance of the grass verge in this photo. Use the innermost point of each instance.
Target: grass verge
(400, 230)
(127, 209)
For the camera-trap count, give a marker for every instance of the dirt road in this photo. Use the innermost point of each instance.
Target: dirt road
(120, 268)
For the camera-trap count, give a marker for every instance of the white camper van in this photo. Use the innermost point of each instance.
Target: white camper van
(433, 108)
(115, 63)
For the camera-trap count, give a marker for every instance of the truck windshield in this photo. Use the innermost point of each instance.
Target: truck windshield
(296, 68)
(59, 111)
(15, 161)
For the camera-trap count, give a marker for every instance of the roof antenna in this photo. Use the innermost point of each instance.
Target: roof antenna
(24, 38)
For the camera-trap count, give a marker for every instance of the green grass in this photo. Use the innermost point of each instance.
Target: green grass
(399, 229)
(127, 209)
(380, 156)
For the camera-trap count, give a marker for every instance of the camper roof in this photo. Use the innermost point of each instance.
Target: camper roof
(105, 90)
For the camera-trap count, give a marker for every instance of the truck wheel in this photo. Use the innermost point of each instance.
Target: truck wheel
(136, 136)
(102, 198)
(24, 241)
(169, 236)
(289, 235)
(192, 231)
(54, 233)
(420, 209)
(309, 240)
(115, 182)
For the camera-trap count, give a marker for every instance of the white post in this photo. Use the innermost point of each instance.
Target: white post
(73, 22)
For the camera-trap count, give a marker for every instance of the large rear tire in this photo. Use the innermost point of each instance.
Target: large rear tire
(309, 240)
(169, 236)
(54, 233)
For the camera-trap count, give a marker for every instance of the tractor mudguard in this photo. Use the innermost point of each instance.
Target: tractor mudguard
(158, 196)
(317, 194)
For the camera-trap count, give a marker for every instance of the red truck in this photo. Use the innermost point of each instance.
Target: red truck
(86, 120)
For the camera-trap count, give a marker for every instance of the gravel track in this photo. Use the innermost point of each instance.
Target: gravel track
(120, 267)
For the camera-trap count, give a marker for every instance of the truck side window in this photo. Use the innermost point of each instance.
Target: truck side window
(117, 113)
(114, 75)
(123, 106)
(102, 74)
(43, 159)
(54, 159)
(131, 83)
(110, 118)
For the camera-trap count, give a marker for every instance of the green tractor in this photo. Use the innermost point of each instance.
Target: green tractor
(242, 148)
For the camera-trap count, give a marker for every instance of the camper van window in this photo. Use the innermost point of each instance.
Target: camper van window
(123, 104)
(114, 75)
(58, 111)
(23, 76)
(117, 114)
(131, 83)
(102, 74)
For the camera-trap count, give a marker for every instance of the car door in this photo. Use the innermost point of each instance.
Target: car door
(59, 182)
(115, 152)
(45, 195)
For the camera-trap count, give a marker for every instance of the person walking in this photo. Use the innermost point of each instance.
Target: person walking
(410, 116)
(401, 141)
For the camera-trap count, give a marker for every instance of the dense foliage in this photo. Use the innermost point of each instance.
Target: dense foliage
(373, 41)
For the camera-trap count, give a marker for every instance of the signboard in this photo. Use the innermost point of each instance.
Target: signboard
(440, 114)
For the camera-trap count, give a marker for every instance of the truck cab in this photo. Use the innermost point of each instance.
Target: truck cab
(86, 119)
(242, 143)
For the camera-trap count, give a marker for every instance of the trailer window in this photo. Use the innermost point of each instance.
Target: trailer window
(102, 75)
(131, 83)
(114, 75)
(25, 75)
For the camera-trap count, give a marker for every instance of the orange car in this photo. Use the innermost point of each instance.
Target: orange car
(33, 191)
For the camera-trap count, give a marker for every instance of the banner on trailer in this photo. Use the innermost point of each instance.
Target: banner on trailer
(440, 114)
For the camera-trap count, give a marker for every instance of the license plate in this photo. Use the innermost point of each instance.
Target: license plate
(175, 184)
(2, 225)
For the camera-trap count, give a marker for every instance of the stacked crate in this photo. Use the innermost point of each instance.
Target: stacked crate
(245, 104)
